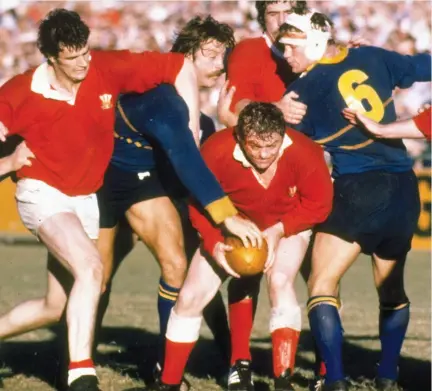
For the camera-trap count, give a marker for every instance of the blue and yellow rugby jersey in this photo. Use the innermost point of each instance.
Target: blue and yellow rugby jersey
(155, 123)
(363, 77)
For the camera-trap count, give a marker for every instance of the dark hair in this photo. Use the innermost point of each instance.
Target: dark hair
(321, 22)
(261, 119)
(198, 30)
(298, 6)
(61, 28)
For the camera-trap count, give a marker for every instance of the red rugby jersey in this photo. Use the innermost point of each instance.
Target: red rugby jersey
(300, 194)
(423, 123)
(73, 143)
(258, 72)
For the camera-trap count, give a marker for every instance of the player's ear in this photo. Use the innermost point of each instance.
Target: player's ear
(51, 60)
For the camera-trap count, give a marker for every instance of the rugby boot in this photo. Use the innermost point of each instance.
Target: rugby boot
(317, 383)
(240, 376)
(382, 384)
(283, 382)
(85, 383)
(340, 385)
(157, 374)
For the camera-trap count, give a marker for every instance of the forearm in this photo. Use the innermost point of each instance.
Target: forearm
(187, 87)
(6, 165)
(210, 234)
(399, 129)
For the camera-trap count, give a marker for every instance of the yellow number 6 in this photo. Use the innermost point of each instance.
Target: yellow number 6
(353, 96)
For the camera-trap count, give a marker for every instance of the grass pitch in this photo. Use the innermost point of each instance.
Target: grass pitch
(131, 326)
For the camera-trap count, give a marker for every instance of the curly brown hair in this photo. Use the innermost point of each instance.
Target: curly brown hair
(261, 119)
(200, 30)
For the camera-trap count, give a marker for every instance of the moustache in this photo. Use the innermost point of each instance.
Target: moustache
(217, 73)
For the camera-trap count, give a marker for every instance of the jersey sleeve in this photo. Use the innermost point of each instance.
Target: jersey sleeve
(314, 187)
(10, 94)
(406, 70)
(139, 72)
(423, 123)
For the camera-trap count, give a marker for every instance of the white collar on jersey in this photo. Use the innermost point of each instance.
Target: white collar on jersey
(41, 85)
(272, 47)
(240, 156)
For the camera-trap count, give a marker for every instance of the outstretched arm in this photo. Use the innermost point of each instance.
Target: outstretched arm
(414, 128)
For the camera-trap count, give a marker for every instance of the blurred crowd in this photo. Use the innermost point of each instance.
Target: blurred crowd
(403, 26)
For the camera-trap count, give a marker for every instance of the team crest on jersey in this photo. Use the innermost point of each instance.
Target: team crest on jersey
(106, 101)
(292, 191)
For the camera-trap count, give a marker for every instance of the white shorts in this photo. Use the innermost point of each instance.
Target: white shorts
(38, 201)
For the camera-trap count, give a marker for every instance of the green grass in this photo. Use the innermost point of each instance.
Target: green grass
(131, 325)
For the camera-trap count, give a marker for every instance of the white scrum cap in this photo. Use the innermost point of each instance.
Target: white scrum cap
(315, 42)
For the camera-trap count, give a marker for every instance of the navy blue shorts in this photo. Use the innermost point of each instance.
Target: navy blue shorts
(122, 189)
(378, 210)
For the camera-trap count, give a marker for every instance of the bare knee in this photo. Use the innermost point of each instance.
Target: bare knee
(279, 282)
(323, 285)
(90, 271)
(173, 269)
(54, 307)
(192, 303)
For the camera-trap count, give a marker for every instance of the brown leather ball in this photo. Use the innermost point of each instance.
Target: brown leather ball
(246, 261)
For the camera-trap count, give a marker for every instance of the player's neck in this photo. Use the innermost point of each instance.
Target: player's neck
(332, 51)
(60, 82)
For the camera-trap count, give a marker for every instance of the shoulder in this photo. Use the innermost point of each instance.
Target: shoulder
(18, 84)
(251, 47)
(302, 144)
(219, 145)
(115, 58)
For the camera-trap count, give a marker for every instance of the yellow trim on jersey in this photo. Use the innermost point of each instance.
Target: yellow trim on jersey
(131, 127)
(357, 146)
(346, 129)
(343, 52)
(125, 118)
(130, 141)
(220, 209)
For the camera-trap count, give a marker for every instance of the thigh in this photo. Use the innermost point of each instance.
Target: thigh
(64, 236)
(201, 284)
(37, 202)
(157, 224)
(403, 212)
(289, 255)
(331, 258)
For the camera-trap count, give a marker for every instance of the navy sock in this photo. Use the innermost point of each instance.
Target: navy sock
(167, 297)
(326, 328)
(393, 324)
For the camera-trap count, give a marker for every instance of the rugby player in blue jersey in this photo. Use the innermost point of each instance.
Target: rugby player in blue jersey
(153, 140)
(376, 201)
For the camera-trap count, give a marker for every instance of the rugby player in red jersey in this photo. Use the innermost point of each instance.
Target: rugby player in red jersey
(64, 110)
